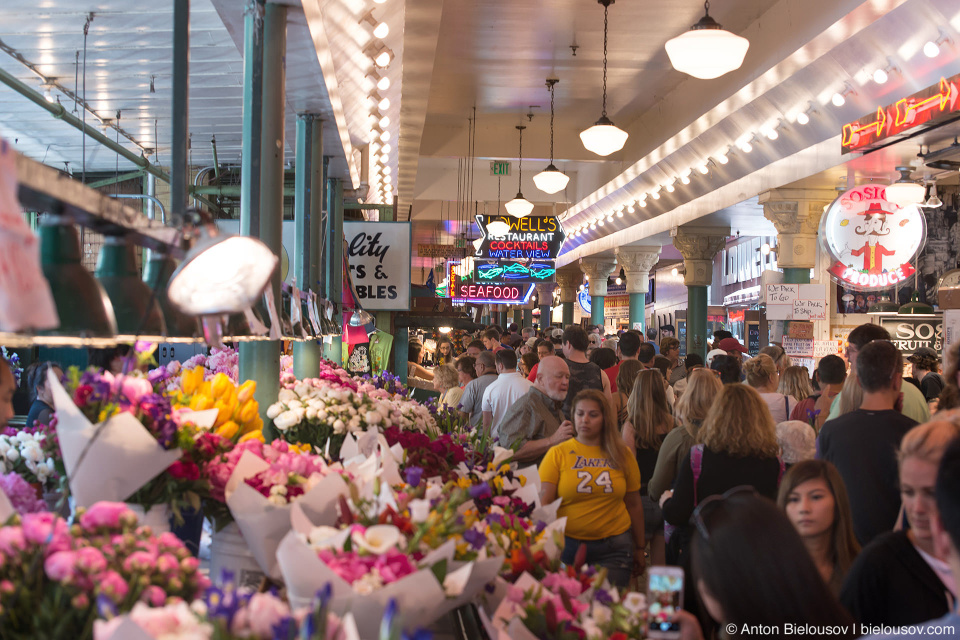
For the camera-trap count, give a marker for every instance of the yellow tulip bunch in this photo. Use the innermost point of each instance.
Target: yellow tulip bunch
(238, 413)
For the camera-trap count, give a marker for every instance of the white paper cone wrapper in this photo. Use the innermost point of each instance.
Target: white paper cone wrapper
(130, 630)
(122, 459)
(6, 508)
(264, 524)
(203, 419)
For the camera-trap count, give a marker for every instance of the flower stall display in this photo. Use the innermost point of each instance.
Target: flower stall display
(53, 575)
(219, 405)
(329, 375)
(116, 434)
(225, 360)
(32, 453)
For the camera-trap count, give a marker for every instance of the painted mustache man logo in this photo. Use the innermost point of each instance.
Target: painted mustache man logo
(874, 227)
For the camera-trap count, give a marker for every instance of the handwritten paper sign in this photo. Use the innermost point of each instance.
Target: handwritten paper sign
(803, 330)
(822, 348)
(798, 347)
(810, 310)
(25, 298)
(782, 293)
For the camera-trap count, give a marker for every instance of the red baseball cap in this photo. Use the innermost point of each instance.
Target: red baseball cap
(731, 344)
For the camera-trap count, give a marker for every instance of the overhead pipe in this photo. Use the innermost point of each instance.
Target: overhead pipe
(151, 200)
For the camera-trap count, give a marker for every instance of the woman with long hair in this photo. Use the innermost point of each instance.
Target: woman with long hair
(737, 445)
(527, 362)
(599, 484)
(446, 380)
(445, 352)
(851, 396)
(795, 382)
(750, 569)
(814, 498)
(626, 376)
(779, 356)
(649, 420)
(703, 386)
(763, 376)
(899, 579)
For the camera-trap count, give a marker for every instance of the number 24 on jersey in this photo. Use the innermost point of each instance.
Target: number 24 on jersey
(587, 481)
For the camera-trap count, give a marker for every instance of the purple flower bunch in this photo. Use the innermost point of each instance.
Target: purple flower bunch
(13, 361)
(22, 495)
(388, 382)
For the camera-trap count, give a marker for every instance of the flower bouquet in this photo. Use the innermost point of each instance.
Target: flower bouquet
(225, 360)
(228, 613)
(116, 435)
(219, 405)
(329, 375)
(260, 493)
(435, 458)
(34, 454)
(52, 575)
(17, 496)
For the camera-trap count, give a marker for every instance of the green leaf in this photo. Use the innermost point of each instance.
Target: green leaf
(440, 570)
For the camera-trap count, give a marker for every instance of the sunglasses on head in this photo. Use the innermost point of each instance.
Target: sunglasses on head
(714, 502)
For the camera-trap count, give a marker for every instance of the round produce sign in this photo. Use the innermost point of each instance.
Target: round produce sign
(871, 242)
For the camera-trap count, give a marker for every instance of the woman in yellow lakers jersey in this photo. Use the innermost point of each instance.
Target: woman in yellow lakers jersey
(599, 482)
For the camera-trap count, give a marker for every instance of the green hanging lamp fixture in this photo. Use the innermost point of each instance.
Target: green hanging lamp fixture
(137, 310)
(156, 274)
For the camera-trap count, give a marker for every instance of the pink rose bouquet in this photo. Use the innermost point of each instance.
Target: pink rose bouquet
(62, 571)
(22, 496)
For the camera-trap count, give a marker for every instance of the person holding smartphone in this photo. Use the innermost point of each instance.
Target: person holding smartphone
(598, 481)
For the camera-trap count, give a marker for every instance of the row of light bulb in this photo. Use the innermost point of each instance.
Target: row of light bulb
(745, 144)
(381, 180)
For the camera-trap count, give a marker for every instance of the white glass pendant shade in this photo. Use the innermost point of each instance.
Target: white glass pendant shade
(707, 51)
(905, 191)
(551, 180)
(604, 138)
(519, 206)
(221, 275)
(498, 229)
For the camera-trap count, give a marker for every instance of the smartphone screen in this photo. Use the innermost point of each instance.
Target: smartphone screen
(664, 599)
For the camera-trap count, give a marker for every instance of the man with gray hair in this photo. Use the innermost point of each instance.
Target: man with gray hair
(652, 337)
(535, 423)
(471, 404)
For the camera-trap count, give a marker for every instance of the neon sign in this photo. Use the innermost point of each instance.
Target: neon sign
(514, 272)
(871, 242)
(464, 292)
(932, 105)
(527, 238)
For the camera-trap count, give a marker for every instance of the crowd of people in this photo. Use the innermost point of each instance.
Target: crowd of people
(830, 500)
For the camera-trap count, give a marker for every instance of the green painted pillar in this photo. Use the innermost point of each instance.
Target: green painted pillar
(796, 275)
(638, 310)
(545, 312)
(566, 309)
(334, 350)
(527, 318)
(517, 316)
(697, 320)
(596, 310)
(306, 355)
(401, 353)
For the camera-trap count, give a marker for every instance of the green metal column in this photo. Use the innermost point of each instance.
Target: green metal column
(262, 359)
(567, 313)
(697, 320)
(517, 316)
(527, 318)
(306, 355)
(638, 310)
(795, 275)
(546, 311)
(334, 350)
(502, 318)
(179, 173)
(596, 310)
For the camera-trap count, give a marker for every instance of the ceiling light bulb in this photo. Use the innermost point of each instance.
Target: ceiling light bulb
(771, 133)
(745, 146)
(802, 118)
(655, 195)
(382, 59)
(670, 187)
(48, 93)
(387, 171)
(382, 30)
(384, 136)
(593, 225)
(838, 100)
(385, 121)
(620, 213)
(618, 281)
(601, 222)
(722, 158)
(383, 84)
(931, 49)
(384, 158)
(905, 191)
(610, 217)
(519, 206)
(643, 203)
(384, 104)
(880, 76)
(551, 180)
(703, 168)
(685, 179)
(386, 148)
(603, 138)
(387, 179)
(379, 1)
(631, 209)
(707, 51)
(765, 249)
(675, 271)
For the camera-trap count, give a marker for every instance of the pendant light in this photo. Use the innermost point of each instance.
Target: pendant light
(883, 306)
(519, 206)
(136, 309)
(707, 51)
(915, 307)
(551, 179)
(905, 191)
(603, 138)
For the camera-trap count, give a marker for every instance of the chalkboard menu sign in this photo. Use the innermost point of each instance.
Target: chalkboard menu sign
(753, 338)
(682, 337)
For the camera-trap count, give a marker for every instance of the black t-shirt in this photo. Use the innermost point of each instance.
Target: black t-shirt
(931, 386)
(647, 461)
(583, 375)
(863, 446)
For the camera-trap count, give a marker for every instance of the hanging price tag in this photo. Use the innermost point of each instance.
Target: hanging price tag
(274, 316)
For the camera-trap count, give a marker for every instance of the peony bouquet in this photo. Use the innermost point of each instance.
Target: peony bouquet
(225, 360)
(20, 497)
(52, 575)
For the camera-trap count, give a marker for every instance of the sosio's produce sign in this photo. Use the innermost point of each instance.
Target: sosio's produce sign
(871, 242)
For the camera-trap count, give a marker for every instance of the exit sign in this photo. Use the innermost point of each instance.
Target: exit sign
(499, 168)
